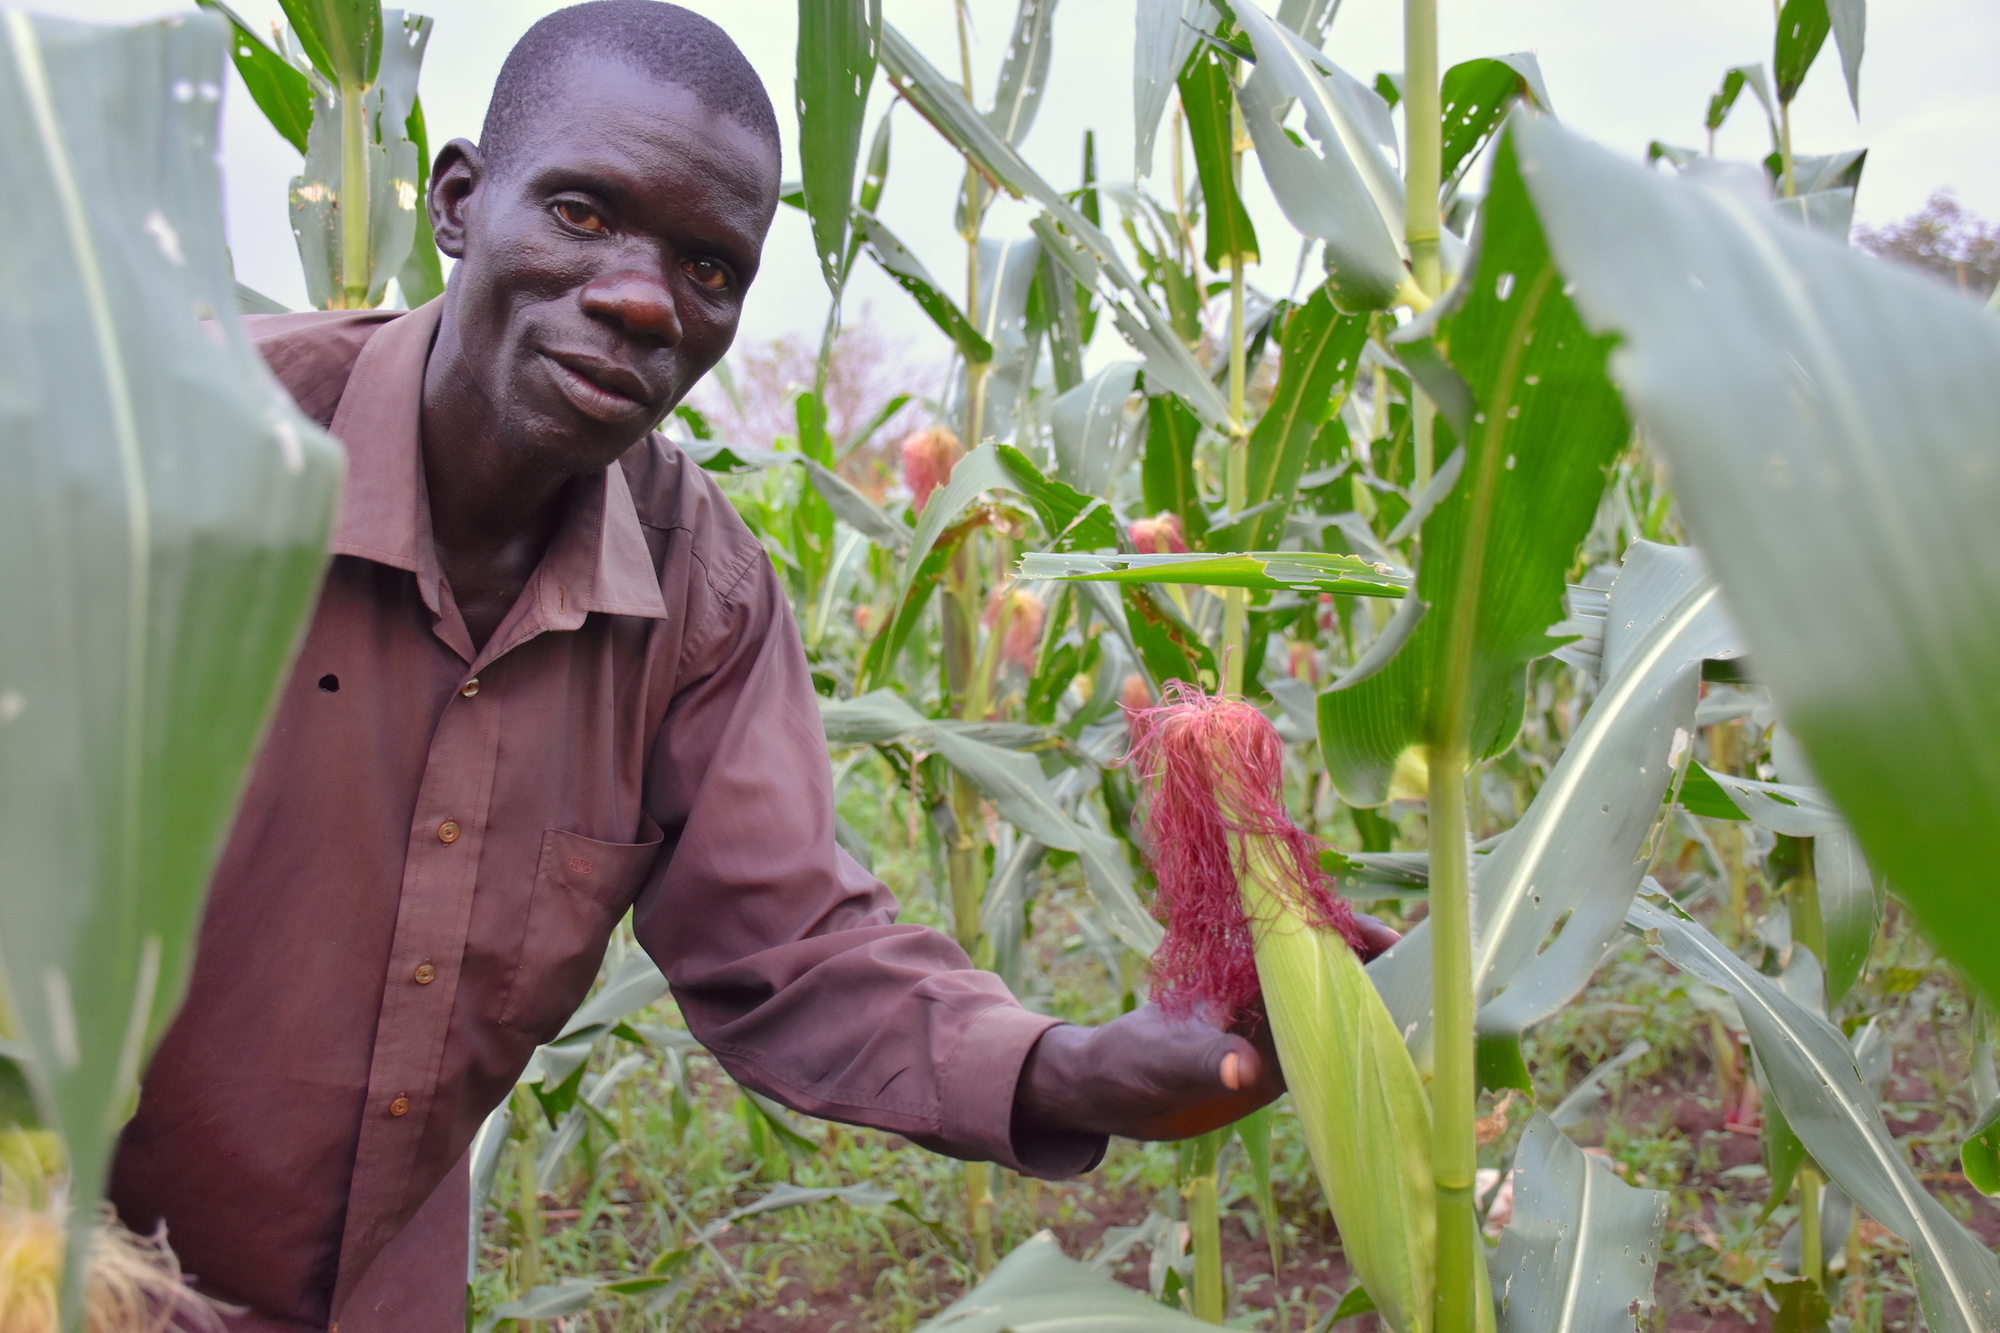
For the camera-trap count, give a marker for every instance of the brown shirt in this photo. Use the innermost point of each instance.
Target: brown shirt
(436, 843)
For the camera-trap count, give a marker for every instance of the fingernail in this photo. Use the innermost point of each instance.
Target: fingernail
(1232, 1072)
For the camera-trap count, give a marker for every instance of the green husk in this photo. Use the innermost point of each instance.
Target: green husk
(1366, 1116)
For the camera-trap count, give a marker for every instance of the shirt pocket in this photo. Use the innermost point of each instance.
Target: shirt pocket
(582, 887)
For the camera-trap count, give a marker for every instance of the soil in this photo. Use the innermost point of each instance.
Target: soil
(1313, 1267)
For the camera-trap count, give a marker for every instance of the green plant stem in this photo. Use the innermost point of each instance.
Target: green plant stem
(1812, 1265)
(979, 1210)
(1808, 924)
(1454, 1148)
(353, 197)
(1205, 1227)
(528, 1271)
(1424, 130)
(1423, 423)
(1236, 487)
(1785, 148)
(1856, 1288)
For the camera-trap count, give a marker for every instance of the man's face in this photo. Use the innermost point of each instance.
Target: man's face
(603, 264)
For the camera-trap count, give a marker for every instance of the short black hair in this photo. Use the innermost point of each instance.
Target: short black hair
(663, 41)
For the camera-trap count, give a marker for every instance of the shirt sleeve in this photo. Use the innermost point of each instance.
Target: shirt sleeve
(785, 956)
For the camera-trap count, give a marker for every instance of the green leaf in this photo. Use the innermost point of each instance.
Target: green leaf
(422, 276)
(855, 509)
(279, 90)
(1007, 272)
(1322, 352)
(1572, 864)
(1812, 1077)
(911, 275)
(1496, 548)
(1346, 194)
(1088, 424)
(1273, 571)
(836, 65)
(1071, 239)
(1477, 95)
(1802, 1306)
(1037, 1289)
(1253, 1131)
(1580, 1250)
(1015, 783)
(342, 38)
(1979, 1155)
(250, 301)
(1072, 520)
(1167, 644)
(1802, 29)
(1849, 909)
(912, 596)
(1208, 98)
(1166, 33)
(1734, 81)
(1701, 794)
(394, 177)
(1850, 22)
(1854, 540)
(163, 519)
(1166, 471)
(1087, 254)
(1024, 71)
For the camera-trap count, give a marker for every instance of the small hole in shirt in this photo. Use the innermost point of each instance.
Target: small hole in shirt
(330, 683)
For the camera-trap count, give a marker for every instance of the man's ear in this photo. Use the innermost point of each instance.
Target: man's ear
(458, 172)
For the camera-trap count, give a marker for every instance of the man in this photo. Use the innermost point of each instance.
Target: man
(552, 677)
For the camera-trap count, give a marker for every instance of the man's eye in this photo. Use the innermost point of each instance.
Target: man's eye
(581, 216)
(708, 273)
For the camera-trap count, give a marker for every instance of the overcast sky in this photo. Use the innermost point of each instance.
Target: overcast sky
(1620, 71)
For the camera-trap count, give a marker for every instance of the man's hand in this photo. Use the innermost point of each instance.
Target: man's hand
(1146, 1076)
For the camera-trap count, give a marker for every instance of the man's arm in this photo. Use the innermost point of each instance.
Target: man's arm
(788, 963)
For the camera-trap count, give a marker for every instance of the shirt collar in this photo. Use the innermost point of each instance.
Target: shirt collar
(597, 561)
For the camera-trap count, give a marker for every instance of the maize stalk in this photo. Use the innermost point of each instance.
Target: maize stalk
(1247, 908)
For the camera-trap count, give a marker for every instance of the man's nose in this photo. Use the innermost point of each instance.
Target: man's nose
(638, 300)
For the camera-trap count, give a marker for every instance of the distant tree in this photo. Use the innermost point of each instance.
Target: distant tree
(1943, 238)
(868, 369)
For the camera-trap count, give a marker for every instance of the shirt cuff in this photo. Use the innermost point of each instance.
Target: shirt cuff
(977, 1095)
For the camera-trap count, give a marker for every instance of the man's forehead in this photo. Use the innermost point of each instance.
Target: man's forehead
(591, 101)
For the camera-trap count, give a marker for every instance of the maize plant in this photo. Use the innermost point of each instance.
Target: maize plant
(341, 87)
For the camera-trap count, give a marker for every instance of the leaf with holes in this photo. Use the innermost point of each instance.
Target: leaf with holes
(1498, 545)
(836, 65)
(163, 523)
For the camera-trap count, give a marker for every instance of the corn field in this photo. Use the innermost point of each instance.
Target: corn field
(1601, 552)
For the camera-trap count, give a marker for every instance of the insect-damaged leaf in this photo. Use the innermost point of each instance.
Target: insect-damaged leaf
(162, 523)
(836, 65)
(1812, 1076)
(1854, 539)
(1546, 422)
(1208, 96)
(1581, 1248)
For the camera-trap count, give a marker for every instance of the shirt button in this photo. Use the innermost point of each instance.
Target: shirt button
(401, 1106)
(425, 974)
(470, 688)
(448, 831)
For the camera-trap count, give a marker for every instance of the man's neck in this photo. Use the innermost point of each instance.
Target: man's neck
(493, 512)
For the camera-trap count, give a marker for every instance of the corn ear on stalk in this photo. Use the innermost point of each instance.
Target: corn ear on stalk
(1247, 908)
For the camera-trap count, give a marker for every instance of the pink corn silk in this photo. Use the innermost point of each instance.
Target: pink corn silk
(1200, 755)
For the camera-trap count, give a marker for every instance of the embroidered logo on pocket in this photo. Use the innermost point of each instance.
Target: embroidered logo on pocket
(579, 865)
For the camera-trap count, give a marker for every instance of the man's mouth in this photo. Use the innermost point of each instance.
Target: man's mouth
(598, 389)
